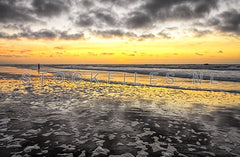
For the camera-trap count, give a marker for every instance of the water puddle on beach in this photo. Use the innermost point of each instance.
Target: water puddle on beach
(114, 119)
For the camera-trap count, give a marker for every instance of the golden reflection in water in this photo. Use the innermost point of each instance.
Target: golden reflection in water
(154, 97)
(14, 70)
(144, 79)
(130, 78)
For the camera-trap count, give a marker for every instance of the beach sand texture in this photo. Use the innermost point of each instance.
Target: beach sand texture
(114, 119)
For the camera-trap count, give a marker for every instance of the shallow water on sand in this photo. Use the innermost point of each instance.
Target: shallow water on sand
(113, 119)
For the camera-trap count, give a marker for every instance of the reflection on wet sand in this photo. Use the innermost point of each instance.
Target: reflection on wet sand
(114, 119)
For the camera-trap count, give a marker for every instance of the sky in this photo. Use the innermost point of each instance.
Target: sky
(119, 31)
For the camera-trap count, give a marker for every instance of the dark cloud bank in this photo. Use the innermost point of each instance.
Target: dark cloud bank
(113, 18)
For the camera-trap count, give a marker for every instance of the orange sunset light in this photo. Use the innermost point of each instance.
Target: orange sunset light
(117, 35)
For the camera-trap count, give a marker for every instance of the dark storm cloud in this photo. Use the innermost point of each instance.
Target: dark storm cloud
(87, 3)
(119, 3)
(154, 11)
(64, 35)
(85, 20)
(205, 6)
(150, 35)
(43, 34)
(143, 37)
(138, 20)
(228, 21)
(23, 11)
(180, 12)
(114, 18)
(113, 33)
(106, 18)
(97, 18)
(14, 26)
(197, 7)
(49, 8)
(110, 33)
(11, 13)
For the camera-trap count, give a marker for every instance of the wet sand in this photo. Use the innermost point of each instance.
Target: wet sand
(113, 119)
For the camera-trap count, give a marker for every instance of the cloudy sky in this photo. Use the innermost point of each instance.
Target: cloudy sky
(120, 31)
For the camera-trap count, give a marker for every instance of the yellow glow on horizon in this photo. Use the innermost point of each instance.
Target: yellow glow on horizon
(209, 49)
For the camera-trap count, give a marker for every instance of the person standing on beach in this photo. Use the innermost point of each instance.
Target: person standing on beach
(38, 68)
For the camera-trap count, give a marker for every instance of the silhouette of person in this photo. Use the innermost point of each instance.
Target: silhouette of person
(38, 68)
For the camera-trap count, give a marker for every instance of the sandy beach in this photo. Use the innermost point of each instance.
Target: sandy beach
(114, 119)
(119, 78)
